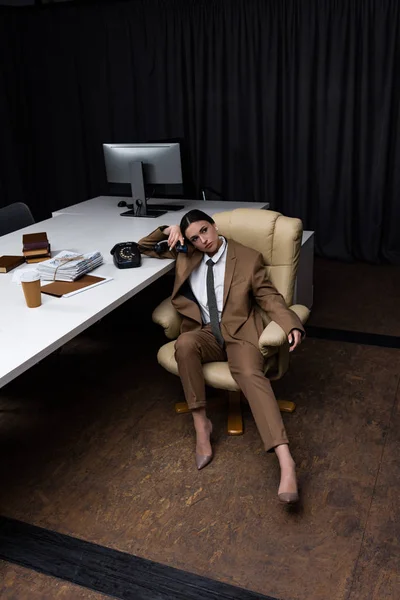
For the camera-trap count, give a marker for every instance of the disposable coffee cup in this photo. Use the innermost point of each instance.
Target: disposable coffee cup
(30, 282)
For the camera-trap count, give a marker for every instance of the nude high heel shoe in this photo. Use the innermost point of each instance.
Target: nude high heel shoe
(288, 497)
(202, 460)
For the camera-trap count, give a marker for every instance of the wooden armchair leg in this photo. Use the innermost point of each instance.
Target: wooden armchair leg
(181, 407)
(286, 406)
(235, 419)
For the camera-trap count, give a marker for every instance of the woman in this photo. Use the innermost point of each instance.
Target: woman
(217, 284)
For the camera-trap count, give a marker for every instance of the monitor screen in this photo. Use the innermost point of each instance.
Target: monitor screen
(144, 167)
(161, 163)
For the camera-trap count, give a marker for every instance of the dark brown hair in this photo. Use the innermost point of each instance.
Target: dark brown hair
(191, 217)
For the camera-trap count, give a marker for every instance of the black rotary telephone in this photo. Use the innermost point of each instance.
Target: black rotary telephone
(126, 255)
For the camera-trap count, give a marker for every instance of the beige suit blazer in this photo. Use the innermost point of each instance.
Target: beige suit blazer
(245, 285)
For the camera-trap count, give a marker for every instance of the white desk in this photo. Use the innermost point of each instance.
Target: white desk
(107, 207)
(304, 284)
(29, 335)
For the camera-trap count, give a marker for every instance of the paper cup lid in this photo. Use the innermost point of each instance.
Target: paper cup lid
(29, 276)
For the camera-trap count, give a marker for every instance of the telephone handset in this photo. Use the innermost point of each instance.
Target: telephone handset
(162, 246)
(126, 255)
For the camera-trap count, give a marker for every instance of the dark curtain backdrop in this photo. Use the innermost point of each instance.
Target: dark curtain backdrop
(295, 102)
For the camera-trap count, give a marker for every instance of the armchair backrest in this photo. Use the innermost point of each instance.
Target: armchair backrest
(276, 237)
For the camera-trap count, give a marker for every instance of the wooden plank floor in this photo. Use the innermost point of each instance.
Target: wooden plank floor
(101, 456)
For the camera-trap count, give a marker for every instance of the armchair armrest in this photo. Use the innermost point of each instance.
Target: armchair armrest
(301, 311)
(272, 337)
(273, 340)
(166, 316)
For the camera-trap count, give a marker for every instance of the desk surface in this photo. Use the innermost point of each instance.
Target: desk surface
(28, 335)
(107, 206)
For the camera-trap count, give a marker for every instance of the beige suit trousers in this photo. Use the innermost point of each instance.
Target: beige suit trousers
(194, 348)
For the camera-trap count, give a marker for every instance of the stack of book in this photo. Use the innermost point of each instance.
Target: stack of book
(36, 247)
(69, 266)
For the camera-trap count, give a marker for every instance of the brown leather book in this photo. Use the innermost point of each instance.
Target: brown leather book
(33, 241)
(59, 288)
(36, 259)
(38, 252)
(7, 263)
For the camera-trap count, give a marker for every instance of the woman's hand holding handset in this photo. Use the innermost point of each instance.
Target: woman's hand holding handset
(174, 235)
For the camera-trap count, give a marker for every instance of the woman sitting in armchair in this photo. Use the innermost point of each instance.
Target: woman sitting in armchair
(217, 283)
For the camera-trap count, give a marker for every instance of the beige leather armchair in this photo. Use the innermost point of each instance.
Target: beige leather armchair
(278, 239)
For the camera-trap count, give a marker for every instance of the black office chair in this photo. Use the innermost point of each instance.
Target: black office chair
(15, 216)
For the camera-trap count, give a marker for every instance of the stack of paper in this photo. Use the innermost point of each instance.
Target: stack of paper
(69, 266)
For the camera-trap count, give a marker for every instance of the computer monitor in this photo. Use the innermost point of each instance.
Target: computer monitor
(142, 165)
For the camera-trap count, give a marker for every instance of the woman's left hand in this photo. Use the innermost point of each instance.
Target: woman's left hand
(294, 338)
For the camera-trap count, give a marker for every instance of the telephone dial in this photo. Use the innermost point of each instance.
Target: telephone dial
(126, 255)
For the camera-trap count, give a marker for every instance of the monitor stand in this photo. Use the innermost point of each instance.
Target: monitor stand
(150, 214)
(138, 194)
(166, 207)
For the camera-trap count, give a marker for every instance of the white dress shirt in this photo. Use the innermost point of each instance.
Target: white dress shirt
(198, 281)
